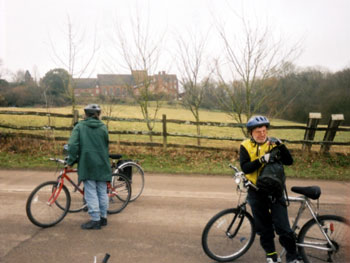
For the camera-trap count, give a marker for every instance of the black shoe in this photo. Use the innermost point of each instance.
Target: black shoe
(103, 221)
(91, 225)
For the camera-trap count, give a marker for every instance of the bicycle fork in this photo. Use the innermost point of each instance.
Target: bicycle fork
(240, 216)
(55, 192)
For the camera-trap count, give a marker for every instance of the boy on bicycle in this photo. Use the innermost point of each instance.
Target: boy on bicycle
(88, 145)
(270, 213)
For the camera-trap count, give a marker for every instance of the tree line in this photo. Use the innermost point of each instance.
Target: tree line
(290, 96)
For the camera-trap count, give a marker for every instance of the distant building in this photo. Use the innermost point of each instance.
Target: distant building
(86, 87)
(114, 85)
(166, 83)
(119, 85)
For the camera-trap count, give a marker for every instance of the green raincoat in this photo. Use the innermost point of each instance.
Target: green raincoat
(88, 145)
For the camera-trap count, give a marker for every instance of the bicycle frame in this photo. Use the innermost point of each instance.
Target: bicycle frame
(305, 203)
(63, 175)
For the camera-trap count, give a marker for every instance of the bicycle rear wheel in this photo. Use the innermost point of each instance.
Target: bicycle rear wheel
(228, 235)
(41, 208)
(119, 193)
(313, 245)
(135, 174)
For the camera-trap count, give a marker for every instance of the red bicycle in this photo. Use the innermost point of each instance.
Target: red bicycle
(50, 202)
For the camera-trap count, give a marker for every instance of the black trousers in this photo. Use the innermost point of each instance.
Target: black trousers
(271, 216)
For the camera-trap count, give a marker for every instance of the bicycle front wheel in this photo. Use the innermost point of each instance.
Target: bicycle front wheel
(136, 176)
(119, 193)
(42, 209)
(228, 235)
(313, 245)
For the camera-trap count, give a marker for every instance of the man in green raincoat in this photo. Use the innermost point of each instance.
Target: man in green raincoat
(88, 146)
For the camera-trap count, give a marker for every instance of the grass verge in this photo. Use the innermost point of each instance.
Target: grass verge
(21, 153)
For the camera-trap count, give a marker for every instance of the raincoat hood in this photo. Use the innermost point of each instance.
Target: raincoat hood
(92, 123)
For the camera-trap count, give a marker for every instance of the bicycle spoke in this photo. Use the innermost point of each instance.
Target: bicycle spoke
(42, 205)
(119, 193)
(315, 247)
(226, 239)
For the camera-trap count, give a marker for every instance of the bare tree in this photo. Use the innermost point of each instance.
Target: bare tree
(194, 78)
(108, 108)
(77, 60)
(252, 60)
(141, 55)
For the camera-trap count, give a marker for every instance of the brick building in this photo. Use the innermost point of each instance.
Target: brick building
(120, 85)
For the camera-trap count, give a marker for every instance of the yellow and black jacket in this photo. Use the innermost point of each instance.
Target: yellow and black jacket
(251, 152)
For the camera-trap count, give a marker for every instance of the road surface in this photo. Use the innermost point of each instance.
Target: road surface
(164, 225)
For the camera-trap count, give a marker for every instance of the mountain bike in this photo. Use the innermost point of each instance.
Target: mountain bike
(50, 202)
(323, 238)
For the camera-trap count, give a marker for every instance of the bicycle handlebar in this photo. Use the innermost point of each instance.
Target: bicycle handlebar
(240, 178)
(58, 160)
(106, 258)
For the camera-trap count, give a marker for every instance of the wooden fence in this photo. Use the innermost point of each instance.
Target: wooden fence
(307, 142)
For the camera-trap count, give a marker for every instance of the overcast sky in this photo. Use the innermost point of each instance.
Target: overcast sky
(27, 27)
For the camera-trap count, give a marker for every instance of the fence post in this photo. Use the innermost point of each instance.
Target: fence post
(75, 117)
(164, 132)
(333, 125)
(312, 122)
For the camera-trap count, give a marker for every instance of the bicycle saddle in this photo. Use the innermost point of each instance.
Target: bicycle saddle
(312, 192)
(115, 156)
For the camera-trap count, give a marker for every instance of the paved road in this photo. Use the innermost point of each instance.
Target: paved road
(164, 225)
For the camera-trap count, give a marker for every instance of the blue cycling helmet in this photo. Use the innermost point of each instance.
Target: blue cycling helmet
(257, 121)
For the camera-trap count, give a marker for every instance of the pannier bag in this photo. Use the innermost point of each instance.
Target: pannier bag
(127, 171)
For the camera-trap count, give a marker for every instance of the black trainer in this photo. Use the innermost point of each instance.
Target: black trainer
(91, 225)
(103, 221)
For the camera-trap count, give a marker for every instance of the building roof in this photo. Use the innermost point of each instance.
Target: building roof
(166, 77)
(114, 80)
(85, 83)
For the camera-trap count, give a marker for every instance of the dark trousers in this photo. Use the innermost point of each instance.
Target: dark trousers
(271, 216)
